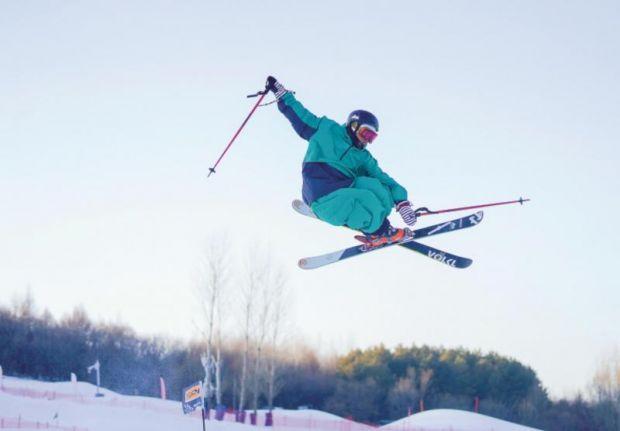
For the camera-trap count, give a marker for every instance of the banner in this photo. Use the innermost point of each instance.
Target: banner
(192, 397)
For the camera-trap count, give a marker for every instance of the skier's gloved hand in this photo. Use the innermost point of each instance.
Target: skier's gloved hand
(274, 86)
(406, 212)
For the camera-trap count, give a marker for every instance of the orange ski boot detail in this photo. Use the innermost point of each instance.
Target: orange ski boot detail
(393, 235)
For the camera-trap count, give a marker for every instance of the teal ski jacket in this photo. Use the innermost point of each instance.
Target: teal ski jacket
(332, 161)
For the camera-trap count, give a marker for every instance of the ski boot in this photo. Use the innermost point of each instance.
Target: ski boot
(389, 236)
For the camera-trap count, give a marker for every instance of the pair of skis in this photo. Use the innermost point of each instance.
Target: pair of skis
(408, 242)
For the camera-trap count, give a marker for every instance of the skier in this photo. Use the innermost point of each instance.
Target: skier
(342, 181)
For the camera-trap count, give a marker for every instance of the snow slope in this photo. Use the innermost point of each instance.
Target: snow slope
(67, 406)
(73, 407)
(453, 420)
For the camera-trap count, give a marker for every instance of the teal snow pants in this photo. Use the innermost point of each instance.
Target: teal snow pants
(362, 206)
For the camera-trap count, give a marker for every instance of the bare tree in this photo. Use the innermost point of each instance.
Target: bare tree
(248, 294)
(212, 286)
(23, 306)
(425, 381)
(261, 273)
(404, 393)
(263, 305)
(276, 328)
(606, 382)
(605, 388)
(262, 316)
(218, 360)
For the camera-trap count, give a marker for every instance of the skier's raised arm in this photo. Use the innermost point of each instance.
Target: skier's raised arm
(303, 121)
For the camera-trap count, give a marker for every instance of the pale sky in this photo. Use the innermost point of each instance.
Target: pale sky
(111, 113)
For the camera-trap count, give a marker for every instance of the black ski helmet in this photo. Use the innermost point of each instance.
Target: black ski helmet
(360, 118)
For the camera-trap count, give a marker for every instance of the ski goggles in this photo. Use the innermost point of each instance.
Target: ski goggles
(366, 134)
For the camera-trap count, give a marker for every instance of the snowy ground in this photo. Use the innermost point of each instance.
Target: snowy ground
(29, 404)
(456, 420)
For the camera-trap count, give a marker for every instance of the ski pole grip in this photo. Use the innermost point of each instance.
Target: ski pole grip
(259, 93)
(422, 211)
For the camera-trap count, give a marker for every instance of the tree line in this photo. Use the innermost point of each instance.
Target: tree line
(373, 385)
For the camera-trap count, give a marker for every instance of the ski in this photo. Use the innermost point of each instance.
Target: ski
(337, 256)
(435, 254)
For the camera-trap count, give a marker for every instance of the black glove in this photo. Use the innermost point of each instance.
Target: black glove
(274, 86)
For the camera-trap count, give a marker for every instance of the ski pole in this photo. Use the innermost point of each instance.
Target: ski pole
(262, 95)
(422, 211)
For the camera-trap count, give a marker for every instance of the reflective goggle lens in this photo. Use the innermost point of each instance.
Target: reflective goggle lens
(366, 134)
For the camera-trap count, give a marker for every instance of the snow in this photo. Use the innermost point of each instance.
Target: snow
(453, 420)
(31, 404)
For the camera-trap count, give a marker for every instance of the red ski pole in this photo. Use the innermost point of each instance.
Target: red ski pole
(262, 95)
(422, 211)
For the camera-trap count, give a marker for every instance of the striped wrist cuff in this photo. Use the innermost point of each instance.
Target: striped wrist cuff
(280, 90)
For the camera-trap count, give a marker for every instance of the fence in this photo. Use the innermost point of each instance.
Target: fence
(20, 423)
(112, 401)
(320, 423)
